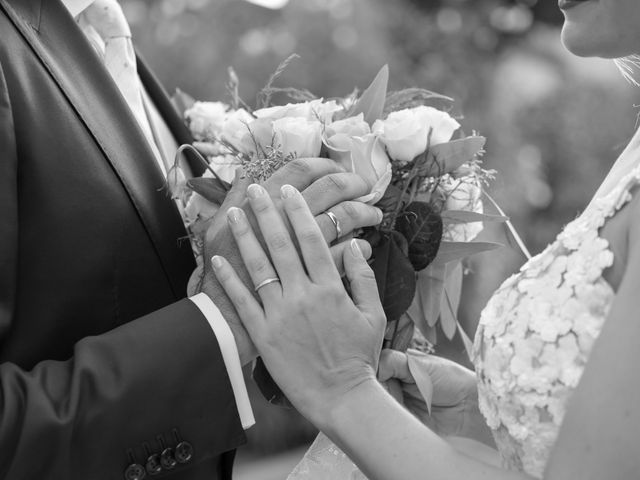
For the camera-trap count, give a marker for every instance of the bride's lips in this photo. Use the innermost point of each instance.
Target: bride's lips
(569, 4)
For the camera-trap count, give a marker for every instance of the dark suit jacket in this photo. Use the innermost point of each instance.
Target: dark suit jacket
(103, 361)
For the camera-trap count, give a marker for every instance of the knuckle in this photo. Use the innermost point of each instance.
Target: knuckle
(261, 207)
(279, 241)
(300, 167)
(310, 236)
(336, 181)
(258, 265)
(352, 210)
(240, 301)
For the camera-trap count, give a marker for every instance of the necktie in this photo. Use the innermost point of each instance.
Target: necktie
(106, 19)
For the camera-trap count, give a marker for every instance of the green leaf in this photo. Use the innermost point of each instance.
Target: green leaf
(371, 102)
(182, 101)
(419, 370)
(468, 344)
(422, 226)
(209, 188)
(465, 216)
(425, 309)
(447, 157)
(410, 98)
(450, 251)
(448, 316)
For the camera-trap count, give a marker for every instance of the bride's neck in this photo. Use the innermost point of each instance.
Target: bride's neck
(628, 160)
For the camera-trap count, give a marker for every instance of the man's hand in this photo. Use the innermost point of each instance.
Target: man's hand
(325, 186)
(454, 407)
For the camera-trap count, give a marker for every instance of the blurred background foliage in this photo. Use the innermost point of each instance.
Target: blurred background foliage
(555, 123)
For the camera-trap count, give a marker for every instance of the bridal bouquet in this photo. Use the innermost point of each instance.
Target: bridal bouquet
(427, 178)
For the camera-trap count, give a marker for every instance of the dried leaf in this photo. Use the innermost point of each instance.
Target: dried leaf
(371, 102)
(465, 216)
(420, 372)
(209, 188)
(402, 333)
(264, 95)
(422, 226)
(394, 274)
(267, 385)
(450, 251)
(447, 157)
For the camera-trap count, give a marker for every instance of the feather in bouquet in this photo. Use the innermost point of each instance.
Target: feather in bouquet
(428, 184)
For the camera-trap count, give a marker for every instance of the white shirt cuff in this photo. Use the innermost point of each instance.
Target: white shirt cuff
(230, 356)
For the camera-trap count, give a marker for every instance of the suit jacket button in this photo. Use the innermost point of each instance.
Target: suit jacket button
(167, 459)
(153, 464)
(135, 471)
(184, 452)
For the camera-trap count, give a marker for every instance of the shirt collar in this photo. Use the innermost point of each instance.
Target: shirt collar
(76, 7)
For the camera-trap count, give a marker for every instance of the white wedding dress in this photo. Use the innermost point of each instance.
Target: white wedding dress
(533, 340)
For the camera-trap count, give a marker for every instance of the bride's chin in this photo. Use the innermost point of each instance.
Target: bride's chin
(583, 44)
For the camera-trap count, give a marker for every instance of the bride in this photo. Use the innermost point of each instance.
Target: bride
(556, 350)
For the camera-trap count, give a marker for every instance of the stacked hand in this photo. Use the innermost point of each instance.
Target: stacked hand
(317, 342)
(454, 406)
(325, 187)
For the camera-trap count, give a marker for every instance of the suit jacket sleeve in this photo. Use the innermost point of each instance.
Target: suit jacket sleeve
(150, 383)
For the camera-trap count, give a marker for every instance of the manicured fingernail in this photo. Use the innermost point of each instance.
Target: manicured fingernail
(380, 214)
(234, 214)
(216, 261)
(255, 191)
(355, 248)
(287, 191)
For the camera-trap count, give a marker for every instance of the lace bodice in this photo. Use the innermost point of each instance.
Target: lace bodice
(537, 331)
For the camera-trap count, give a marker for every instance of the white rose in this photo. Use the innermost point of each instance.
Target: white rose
(313, 110)
(298, 136)
(351, 126)
(406, 132)
(206, 119)
(258, 135)
(463, 194)
(236, 126)
(365, 155)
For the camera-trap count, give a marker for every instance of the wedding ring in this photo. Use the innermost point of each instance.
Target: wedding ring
(336, 223)
(267, 282)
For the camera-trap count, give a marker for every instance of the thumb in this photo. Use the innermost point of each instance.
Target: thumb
(235, 197)
(364, 289)
(394, 364)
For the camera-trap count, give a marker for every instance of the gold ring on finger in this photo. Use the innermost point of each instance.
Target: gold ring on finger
(336, 223)
(266, 282)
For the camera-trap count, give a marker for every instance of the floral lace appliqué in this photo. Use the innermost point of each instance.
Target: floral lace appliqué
(537, 331)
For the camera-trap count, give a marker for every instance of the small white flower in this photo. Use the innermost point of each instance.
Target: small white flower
(315, 110)
(298, 136)
(206, 119)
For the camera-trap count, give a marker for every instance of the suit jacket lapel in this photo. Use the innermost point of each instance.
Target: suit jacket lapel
(168, 112)
(80, 74)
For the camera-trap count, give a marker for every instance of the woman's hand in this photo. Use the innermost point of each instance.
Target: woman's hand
(317, 342)
(454, 406)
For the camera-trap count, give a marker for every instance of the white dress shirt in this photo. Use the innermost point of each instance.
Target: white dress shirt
(223, 334)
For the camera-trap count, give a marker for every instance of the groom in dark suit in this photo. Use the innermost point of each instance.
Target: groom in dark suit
(107, 371)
